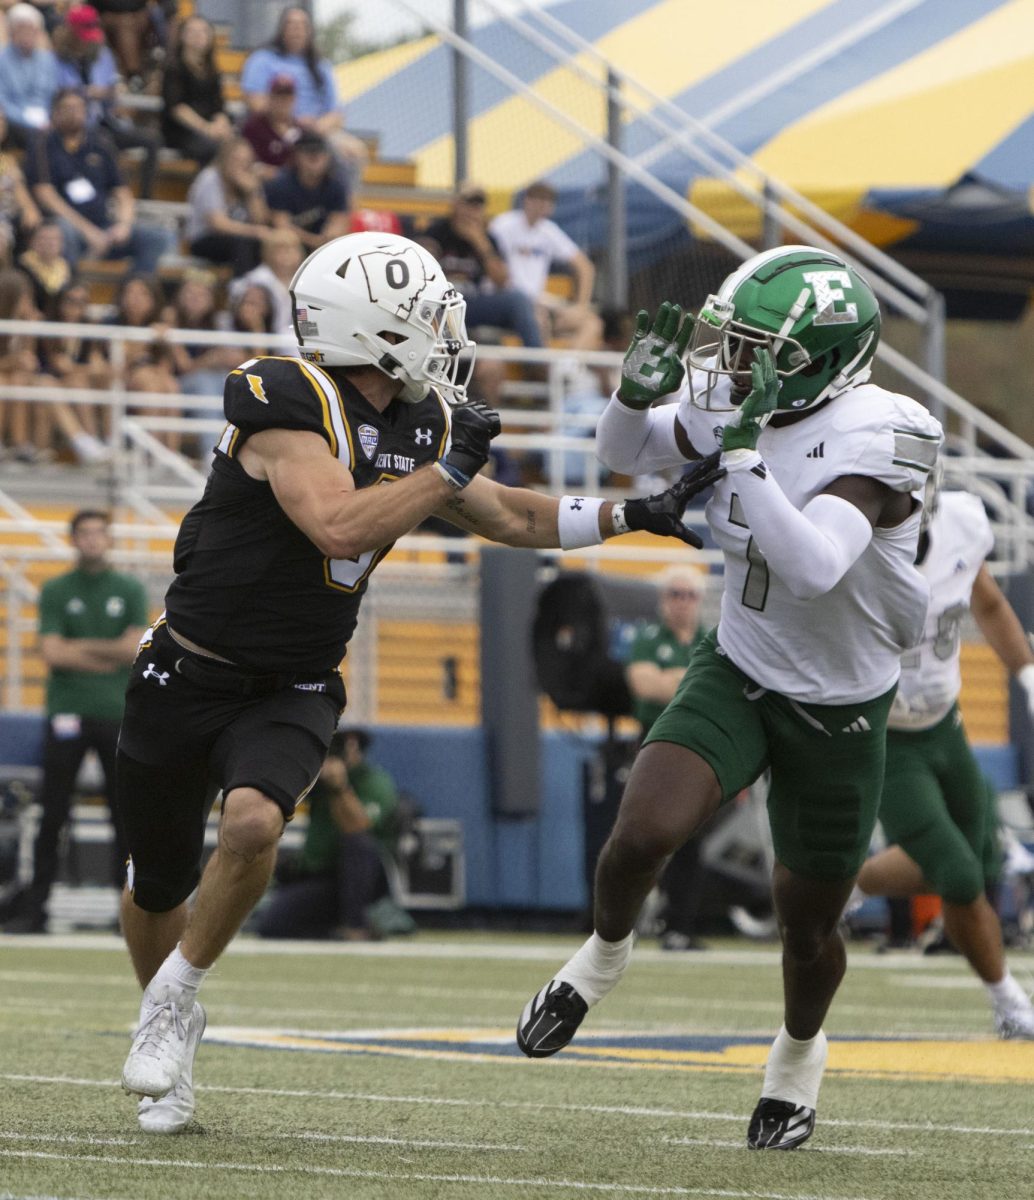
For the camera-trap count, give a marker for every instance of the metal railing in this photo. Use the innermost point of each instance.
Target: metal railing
(780, 207)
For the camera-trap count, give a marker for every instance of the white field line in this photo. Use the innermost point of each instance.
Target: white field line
(349, 1138)
(581, 1185)
(486, 951)
(811, 1149)
(622, 1110)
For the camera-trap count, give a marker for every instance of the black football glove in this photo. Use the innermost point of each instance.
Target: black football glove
(662, 514)
(474, 425)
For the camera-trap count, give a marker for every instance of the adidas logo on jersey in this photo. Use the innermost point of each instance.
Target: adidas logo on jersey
(818, 451)
(859, 726)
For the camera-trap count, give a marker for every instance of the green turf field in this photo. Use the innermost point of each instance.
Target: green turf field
(390, 1071)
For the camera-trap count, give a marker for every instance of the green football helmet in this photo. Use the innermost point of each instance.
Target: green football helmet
(814, 313)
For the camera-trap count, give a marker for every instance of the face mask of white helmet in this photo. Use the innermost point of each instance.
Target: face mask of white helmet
(380, 300)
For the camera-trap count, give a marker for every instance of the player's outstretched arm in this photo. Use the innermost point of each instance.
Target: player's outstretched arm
(520, 517)
(1005, 634)
(318, 493)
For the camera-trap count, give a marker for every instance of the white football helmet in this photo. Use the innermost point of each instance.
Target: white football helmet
(351, 292)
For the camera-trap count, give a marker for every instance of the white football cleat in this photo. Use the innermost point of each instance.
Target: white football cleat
(172, 1113)
(161, 1046)
(1016, 1022)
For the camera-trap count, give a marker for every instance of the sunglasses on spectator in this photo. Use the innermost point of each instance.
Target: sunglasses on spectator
(681, 594)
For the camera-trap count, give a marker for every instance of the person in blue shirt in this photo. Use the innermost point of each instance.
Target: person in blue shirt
(28, 76)
(85, 61)
(293, 53)
(308, 196)
(75, 178)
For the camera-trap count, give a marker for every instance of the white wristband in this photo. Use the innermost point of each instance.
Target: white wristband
(578, 521)
(617, 518)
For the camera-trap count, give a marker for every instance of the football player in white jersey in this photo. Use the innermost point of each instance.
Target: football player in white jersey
(818, 518)
(937, 810)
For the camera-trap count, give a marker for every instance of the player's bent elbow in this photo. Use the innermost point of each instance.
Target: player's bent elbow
(811, 588)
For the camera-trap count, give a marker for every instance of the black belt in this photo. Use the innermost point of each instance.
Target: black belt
(229, 679)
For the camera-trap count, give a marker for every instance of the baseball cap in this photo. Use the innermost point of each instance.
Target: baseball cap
(85, 23)
(472, 193)
(282, 84)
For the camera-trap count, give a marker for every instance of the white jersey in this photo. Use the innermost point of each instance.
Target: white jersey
(960, 539)
(846, 645)
(529, 250)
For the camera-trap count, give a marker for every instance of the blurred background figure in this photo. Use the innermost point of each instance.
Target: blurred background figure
(90, 622)
(229, 219)
(307, 196)
(84, 62)
(194, 118)
(273, 131)
(350, 836)
(28, 75)
(532, 244)
(657, 661)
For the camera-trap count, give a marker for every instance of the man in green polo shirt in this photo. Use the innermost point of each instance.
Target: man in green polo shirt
(352, 828)
(660, 654)
(90, 622)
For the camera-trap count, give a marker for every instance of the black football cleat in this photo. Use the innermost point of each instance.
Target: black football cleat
(550, 1019)
(779, 1125)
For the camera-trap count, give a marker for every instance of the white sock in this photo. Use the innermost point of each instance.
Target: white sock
(1007, 993)
(178, 975)
(596, 967)
(794, 1069)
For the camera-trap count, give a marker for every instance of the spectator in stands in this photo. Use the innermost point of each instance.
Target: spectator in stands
(194, 119)
(228, 219)
(351, 828)
(28, 76)
(471, 260)
(531, 243)
(46, 266)
(293, 52)
(282, 255)
(75, 178)
(201, 369)
(128, 26)
(149, 365)
(24, 428)
(77, 362)
(86, 63)
(90, 622)
(19, 213)
(308, 196)
(253, 312)
(274, 131)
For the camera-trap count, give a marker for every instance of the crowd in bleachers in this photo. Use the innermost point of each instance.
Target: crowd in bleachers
(94, 99)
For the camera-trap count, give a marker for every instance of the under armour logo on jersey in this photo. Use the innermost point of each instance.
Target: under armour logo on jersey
(257, 390)
(423, 437)
(369, 435)
(859, 726)
(960, 565)
(152, 672)
(818, 451)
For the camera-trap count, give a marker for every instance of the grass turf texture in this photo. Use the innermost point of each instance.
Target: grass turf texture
(929, 1108)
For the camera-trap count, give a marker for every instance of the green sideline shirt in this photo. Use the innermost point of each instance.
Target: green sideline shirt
(655, 643)
(82, 604)
(375, 789)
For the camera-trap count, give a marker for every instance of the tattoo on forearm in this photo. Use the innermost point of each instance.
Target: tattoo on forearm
(531, 522)
(459, 507)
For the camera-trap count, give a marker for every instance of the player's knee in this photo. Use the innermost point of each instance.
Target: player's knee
(251, 824)
(160, 892)
(806, 938)
(638, 848)
(960, 882)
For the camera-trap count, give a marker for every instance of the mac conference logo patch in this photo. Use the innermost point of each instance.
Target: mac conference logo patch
(369, 436)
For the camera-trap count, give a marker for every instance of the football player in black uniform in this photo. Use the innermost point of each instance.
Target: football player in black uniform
(237, 687)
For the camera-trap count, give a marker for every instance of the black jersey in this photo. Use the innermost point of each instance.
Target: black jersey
(249, 584)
